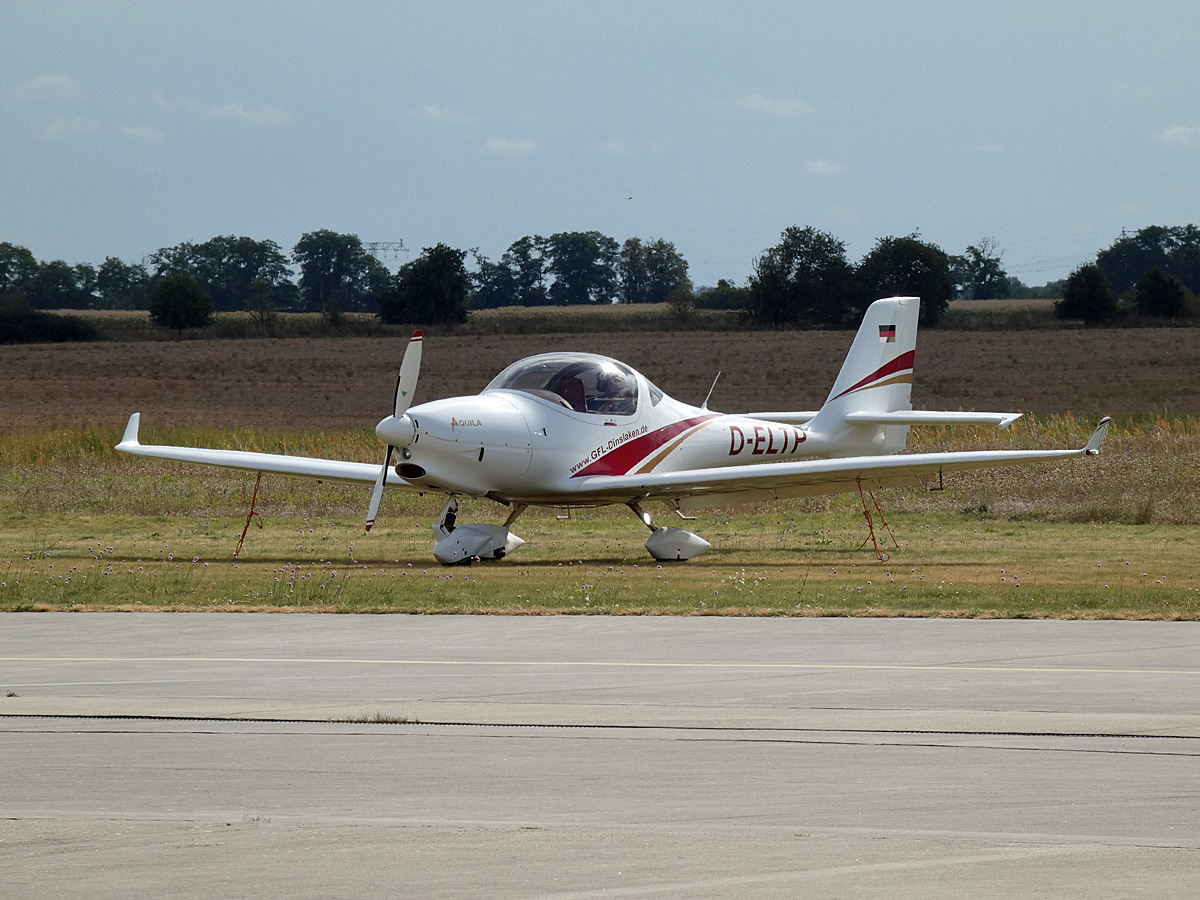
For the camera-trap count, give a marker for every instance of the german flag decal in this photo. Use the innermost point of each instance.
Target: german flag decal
(887, 334)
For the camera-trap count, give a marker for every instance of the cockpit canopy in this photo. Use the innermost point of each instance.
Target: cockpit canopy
(580, 381)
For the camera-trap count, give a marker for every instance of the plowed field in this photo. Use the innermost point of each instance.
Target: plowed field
(332, 382)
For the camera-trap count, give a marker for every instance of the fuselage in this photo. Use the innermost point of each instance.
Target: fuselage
(549, 423)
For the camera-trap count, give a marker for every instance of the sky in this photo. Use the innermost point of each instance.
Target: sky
(1047, 127)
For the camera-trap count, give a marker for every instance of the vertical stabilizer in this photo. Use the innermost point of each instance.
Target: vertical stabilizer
(876, 377)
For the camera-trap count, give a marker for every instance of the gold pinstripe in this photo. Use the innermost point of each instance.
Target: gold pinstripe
(895, 379)
(651, 464)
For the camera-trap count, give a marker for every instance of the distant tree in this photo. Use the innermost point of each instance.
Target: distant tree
(431, 289)
(226, 266)
(59, 285)
(1175, 251)
(583, 266)
(177, 301)
(804, 280)
(235, 263)
(1019, 290)
(1087, 295)
(526, 260)
(908, 267)
(179, 258)
(53, 287)
(518, 279)
(682, 303)
(86, 279)
(1160, 295)
(977, 274)
(21, 325)
(337, 274)
(17, 268)
(724, 296)
(650, 272)
(1185, 260)
(491, 284)
(122, 285)
(261, 306)
(1051, 290)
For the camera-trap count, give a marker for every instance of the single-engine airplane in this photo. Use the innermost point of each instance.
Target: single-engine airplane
(568, 430)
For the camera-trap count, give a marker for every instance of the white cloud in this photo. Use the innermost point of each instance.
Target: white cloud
(64, 127)
(781, 109)
(824, 168)
(48, 88)
(1180, 134)
(239, 112)
(147, 133)
(509, 146)
(615, 147)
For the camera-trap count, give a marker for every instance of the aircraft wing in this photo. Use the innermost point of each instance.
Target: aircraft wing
(700, 488)
(267, 463)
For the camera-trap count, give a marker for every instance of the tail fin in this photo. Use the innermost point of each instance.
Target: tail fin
(875, 378)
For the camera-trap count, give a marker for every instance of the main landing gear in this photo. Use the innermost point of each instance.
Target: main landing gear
(667, 542)
(455, 544)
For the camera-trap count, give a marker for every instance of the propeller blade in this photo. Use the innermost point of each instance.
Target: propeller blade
(406, 383)
(377, 493)
(410, 368)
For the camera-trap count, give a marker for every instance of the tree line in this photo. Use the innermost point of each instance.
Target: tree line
(333, 273)
(1153, 273)
(805, 280)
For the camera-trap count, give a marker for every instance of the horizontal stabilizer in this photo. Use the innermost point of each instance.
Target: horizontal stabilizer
(783, 418)
(930, 417)
(902, 417)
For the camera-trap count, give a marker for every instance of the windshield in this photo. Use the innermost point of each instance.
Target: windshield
(582, 382)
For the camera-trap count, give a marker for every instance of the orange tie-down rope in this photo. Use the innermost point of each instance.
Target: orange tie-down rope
(880, 555)
(251, 517)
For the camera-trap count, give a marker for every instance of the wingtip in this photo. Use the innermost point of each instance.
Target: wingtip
(130, 438)
(1093, 445)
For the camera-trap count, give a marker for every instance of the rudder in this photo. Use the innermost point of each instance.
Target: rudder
(875, 378)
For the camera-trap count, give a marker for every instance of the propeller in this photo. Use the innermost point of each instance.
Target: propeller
(406, 384)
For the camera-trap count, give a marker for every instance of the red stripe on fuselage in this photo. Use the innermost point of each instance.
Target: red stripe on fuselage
(620, 460)
(901, 362)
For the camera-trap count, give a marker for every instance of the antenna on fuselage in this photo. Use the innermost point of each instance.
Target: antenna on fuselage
(704, 405)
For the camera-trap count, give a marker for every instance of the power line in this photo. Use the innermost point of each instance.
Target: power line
(382, 250)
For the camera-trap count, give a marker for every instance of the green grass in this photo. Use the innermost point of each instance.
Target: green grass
(86, 528)
(786, 560)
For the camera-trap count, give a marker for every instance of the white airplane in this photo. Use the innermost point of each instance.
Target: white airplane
(568, 430)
